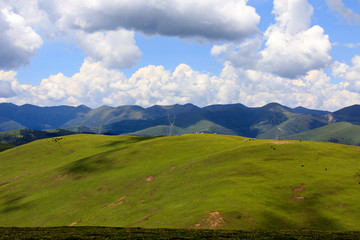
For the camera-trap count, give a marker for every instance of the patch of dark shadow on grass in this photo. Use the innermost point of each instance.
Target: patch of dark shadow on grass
(14, 203)
(276, 222)
(277, 158)
(15, 207)
(128, 141)
(14, 198)
(94, 163)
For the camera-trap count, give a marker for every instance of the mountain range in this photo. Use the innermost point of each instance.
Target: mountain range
(272, 121)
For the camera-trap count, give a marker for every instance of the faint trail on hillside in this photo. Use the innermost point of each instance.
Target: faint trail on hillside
(14, 178)
(140, 219)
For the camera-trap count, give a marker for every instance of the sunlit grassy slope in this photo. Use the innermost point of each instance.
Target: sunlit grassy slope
(342, 132)
(189, 181)
(202, 126)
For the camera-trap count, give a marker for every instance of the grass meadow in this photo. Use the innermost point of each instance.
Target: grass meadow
(193, 182)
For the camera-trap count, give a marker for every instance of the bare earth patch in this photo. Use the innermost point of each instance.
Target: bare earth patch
(299, 189)
(70, 151)
(173, 167)
(299, 198)
(282, 142)
(117, 202)
(358, 149)
(149, 179)
(73, 224)
(213, 221)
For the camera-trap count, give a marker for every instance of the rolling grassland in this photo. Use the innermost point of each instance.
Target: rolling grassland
(199, 181)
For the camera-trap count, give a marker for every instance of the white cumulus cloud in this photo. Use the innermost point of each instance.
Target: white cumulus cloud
(211, 19)
(5, 89)
(292, 47)
(350, 74)
(9, 85)
(114, 48)
(18, 42)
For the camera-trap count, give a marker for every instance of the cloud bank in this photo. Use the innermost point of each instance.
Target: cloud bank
(96, 85)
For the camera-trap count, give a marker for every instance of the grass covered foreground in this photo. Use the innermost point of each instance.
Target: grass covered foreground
(192, 181)
(140, 233)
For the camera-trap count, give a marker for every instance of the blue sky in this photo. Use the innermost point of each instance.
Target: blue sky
(295, 52)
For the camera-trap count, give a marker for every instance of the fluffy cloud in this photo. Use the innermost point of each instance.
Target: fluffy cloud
(5, 89)
(350, 74)
(18, 42)
(9, 86)
(347, 13)
(293, 16)
(290, 55)
(292, 46)
(96, 85)
(114, 48)
(212, 19)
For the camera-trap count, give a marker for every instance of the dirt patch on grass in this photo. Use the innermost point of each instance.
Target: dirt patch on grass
(299, 198)
(358, 149)
(70, 151)
(117, 202)
(299, 189)
(150, 179)
(154, 190)
(282, 142)
(213, 221)
(173, 167)
(73, 224)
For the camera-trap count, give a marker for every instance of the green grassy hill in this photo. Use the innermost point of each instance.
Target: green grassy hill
(189, 181)
(202, 126)
(342, 132)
